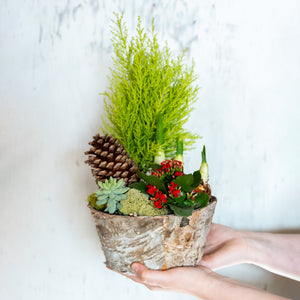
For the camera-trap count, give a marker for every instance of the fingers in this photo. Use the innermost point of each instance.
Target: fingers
(227, 254)
(139, 279)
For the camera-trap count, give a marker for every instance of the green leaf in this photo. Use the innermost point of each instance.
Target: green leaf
(100, 196)
(202, 199)
(203, 154)
(119, 197)
(100, 183)
(141, 186)
(105, 184)
(181, 211)
(196, 179)
(111, 206)
(101, 201)
(103, 192)
(120, 183)
(151, 179)
(121, 190)
(186, 182)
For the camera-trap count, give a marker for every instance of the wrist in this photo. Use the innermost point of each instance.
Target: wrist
(256, 246)
(210, 282)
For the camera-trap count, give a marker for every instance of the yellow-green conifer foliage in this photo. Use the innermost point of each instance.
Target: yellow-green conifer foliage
(147, 80)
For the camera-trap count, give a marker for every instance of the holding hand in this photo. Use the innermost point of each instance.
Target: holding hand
(198, 281)
(279, 253)
(224, 247)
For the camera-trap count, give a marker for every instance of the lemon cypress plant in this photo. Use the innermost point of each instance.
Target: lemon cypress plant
(147, 80)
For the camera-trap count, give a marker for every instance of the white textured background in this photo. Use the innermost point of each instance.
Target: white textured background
(54, 59)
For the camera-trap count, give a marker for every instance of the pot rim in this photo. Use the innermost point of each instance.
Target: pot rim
(213, 200)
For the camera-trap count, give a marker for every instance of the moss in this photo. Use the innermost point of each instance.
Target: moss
(137, 202)
(92, 199)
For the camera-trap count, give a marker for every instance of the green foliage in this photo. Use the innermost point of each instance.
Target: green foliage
(188, 182)
(201, 200)
(150, 179)
(139, 204)
(204, 166)
(145, 81)
(181, 211)
(111, 193)
(141, 186)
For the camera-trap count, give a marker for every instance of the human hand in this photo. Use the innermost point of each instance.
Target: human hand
(197, 281)
(224, 247)
(181, 279)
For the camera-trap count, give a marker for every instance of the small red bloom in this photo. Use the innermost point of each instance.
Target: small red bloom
(158, 204)
(151, 189)
(157, 195)
(178, 173)
(173, 186)
(163, 198)
(176, 193)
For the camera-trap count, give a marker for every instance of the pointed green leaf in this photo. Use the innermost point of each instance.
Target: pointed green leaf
(120, 183)
(101, 201)
(111, 206)
(121, 190)
(100, 184)
(101, 197)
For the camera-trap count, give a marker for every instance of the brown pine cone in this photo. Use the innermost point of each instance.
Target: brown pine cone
(107, 157)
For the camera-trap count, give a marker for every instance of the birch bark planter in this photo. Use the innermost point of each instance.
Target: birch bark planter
(159, 242)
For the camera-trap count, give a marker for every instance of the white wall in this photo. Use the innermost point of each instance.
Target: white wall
(54, 59)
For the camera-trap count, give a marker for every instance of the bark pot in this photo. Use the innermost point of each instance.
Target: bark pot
(159, 242)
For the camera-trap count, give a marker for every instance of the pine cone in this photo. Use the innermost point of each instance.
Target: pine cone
(107, 157)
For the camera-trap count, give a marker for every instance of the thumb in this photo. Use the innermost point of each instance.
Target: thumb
(147, 276)
(139, 269)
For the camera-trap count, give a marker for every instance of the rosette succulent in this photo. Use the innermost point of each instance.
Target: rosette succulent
(111, 193)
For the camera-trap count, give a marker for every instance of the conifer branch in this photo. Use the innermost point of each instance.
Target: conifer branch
(146, 80)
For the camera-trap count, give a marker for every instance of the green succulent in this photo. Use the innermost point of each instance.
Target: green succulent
(111, 193)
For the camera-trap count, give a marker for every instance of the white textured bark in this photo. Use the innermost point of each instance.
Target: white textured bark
(159, 242)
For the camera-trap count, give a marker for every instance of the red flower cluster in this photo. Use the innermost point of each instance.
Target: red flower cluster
(174, 190)
(157, 196)
(169, 167)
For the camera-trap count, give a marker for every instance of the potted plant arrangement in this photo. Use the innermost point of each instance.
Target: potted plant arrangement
(146, 208)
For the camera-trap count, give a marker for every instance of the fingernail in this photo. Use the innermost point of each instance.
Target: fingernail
(135, 267)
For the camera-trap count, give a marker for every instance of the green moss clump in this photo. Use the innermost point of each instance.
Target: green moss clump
(138, 203)
(92, 199)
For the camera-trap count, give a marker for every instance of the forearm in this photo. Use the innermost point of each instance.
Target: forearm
(279, 253)
(219, 287)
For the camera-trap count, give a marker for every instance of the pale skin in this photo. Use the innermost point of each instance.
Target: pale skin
(279, 253)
